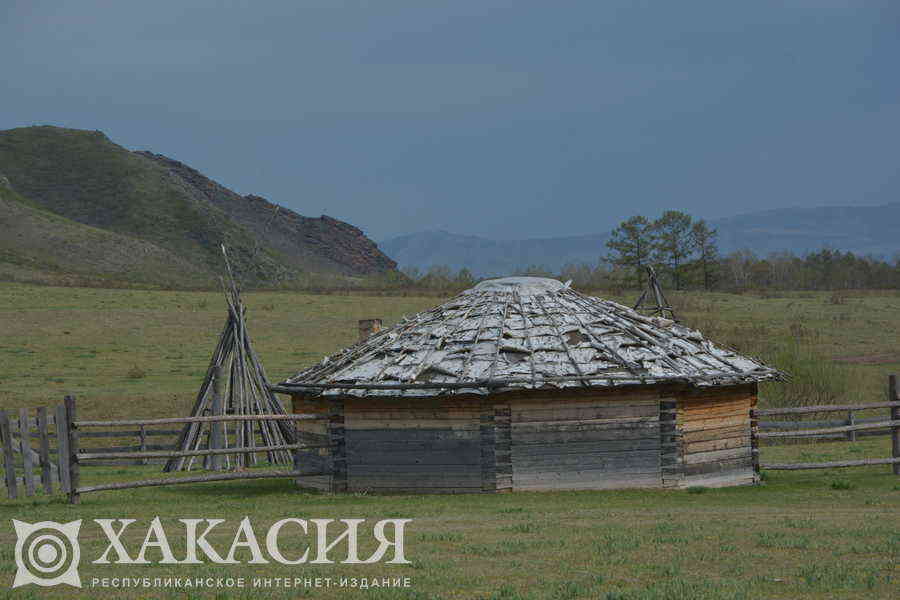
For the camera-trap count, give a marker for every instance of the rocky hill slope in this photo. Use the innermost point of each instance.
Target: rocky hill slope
(173, 210)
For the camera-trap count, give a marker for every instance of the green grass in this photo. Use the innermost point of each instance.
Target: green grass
(795, 537)
(815, 534)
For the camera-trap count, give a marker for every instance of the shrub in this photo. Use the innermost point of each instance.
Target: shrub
(136, 372)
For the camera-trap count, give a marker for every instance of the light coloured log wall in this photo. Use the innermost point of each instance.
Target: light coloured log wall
(714, 428)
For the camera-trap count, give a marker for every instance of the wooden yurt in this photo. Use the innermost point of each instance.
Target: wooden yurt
(522, 383)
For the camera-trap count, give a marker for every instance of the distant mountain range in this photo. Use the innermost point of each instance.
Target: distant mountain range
(863, 230)
(74, 204)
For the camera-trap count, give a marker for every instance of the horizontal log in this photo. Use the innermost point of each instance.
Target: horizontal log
(577, 447)
(214, 419)
(800, 410)
(399, 425)
(134, 448)
(743, 464)
(378, 436)
(719, 433)
(588, 425)
(608, 463)
(815, 432)
(586, 480)
(178, 454)
(128, 433)
(720, 444)
(807, 424)
(716, 455)
(125, 485)
(716, 480)
(583, 413)
(839, 464)
(438, 458)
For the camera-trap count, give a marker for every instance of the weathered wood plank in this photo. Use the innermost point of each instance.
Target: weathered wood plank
(453, 424)
(72, 430)
(718, 433)
(742, 463)
(438, 457)
(9, 464)
(801, 410)
(62, 449)
(27, 459)
(716, 455)
(586, 480)
(44, 449)
(583, 413)
(608, 463)
(836, 464)
(593, 446)
(722, 444)
(715, 423)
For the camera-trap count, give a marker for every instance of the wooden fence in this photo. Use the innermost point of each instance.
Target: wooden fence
(60, 463)
(849, 430)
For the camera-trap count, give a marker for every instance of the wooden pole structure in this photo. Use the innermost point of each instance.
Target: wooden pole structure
(74, 475)
(894, 396)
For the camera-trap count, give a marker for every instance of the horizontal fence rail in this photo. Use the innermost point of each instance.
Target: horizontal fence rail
(145, 452)
(125, 485)
(212, 419)
(849, 428)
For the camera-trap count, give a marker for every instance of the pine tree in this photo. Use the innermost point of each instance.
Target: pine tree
(704, 240)
(673, 245)
(632, 245)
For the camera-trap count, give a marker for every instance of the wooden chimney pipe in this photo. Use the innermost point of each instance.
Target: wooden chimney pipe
(367, 327)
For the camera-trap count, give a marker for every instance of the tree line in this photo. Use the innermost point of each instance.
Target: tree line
(685, 255)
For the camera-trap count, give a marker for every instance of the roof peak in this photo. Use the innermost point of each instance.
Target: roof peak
(525, 286)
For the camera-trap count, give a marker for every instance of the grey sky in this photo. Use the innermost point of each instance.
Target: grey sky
(508, 119)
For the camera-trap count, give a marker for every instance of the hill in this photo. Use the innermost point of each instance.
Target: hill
(39, 245)
(171, 208)
(860, 229)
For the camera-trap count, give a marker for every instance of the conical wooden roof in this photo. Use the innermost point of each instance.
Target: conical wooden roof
(525, 333)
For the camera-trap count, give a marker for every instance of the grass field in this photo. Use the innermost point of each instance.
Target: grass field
(812, 534)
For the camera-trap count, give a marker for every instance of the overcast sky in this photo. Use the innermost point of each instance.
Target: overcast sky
(507, 119)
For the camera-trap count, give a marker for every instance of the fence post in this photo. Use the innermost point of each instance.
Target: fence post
(143, 444)
(754, 439)
(44, 449)
(851, 420)
(25, 447)
(74, 475)
(894, 396)
(9, 465)
(62, 448)
(215, 428)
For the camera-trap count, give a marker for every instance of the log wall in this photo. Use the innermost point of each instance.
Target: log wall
(586, 442)
(418, 445)
(651, 437)
(314, 433)
(714, 427)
